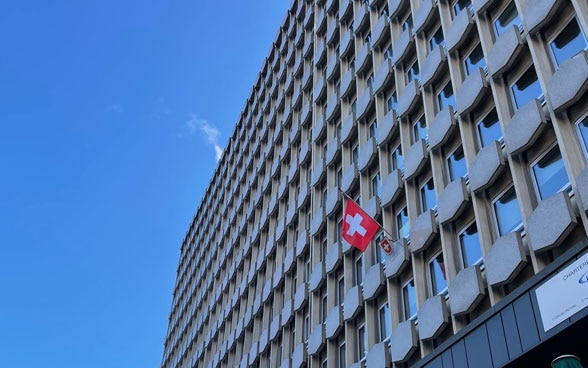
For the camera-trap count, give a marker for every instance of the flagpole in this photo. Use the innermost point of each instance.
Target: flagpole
(380, 225)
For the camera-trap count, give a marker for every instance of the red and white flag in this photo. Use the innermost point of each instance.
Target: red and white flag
(358, 227)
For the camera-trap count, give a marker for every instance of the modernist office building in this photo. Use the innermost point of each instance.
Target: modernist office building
(462, 127)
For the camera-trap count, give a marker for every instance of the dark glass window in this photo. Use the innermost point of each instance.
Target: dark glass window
(471, 250)
(583, 130)
(489, 129)
(391, 103)
(437, 38)
(438, 275)
(428, 199)
(550, 174)
(456, 164)
(507, 18)
(568, 43)
(419, 129)
(460, 5)
(445, 97)
(409, 300)
(413, 73)
(526, 88)
(402, 226)
(475, 60)
(384, 321)
(508, 213)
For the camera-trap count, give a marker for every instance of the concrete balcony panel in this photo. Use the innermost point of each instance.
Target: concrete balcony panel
(551, 222)
(486, 167)
(452, 201)
(244, 361)
(381, 31)
(409, 99)
(387, 128)
(460, 29)
(333, 258)
(582, 189)
(537, 14)
(293, 171)
(347, 82)
(569, 83)
(353, 303)
(349, 128)
(275, 327)
(372, 206)
(304, 152)
(320, 89)
(263, 340)
(297, 68)
(363, 56)
(308, 18)
(282, 188)
(334, 322)
(320, 21)
(280, 230)
(365, 102)
(333, 151)
(299, 38)
(285, 363)
(424, 14)
(395, 6)
(481, 5)
(505, 51)
(302, 243)
(416, 158)
(403, 341)
(383, 76)
(466, 290)
(378, 356)
(346, 44)
(278, 275)
(333, 107)
(306, 78)
(300, 297)
(373, 281)
(287, 312)
(332, 68)
(303, 195)
(350, 177)
(392, 187)
(433, 67)
(361, 17)
(423, 231)
(256, 305)
(319, 128)
(433, 317)
(274, 170)
(268, 289)
(305, 114)
(442, 128)
(332, 202)
(299, 356)
(318, 222)
(525, 127)
(472, 91)
(505, 259)
(367, 154)
(291, 213)
(345, 8)
(294, 132)
(397, 261)
(320, 54)
(319, 172)
(401, 47)
(317, 277)
(331, 5)
(316, 340)
(332, 32)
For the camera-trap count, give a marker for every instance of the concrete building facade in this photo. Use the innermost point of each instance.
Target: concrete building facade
(462, 127)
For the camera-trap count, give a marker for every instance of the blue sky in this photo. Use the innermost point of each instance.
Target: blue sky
(110, 112)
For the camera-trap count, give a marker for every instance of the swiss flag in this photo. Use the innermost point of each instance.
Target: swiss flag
(358, 227)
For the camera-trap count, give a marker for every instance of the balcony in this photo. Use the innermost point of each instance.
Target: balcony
(320, 21)
(387, 127)
(307, 49)
(320, 53)
(363, 57)
(308, 18)
(333, 151)
(401, 46)
(347, 83)
(332, 201)
(361, 17)
(319, 172)
(319, 128)
(367, 154)
(304, 152)
(332, 68)
(332, 32)
(320, 89)
(333, 107)
(305, 114)
(348, 128)
(345, 9)
(365, 102)
(384, 75)
(350, 177)
(346, 45)
(381, 31)
(306, 78)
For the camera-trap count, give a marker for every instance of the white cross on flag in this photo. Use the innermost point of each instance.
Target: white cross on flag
(358, 227)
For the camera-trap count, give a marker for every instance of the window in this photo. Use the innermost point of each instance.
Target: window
(361, 342)
(407, 24)
(409, 307)
(437, 39)
(396, 159)
(324, 311)
(413, 72)
(445, 97)
(338, 231)
(388, 53)
(475, 60)
(340, 290)
(358, 270)
(402, 226)
(568, 42)
(369, 81)
(456, 164)
(437, 274)
(391, 102)
(419, 129)
(489, 129)
(341, 356)
(507, 212)
(508, 17)
(460, 5)
(373, 129)
(305, 327)
(469, 241)
(355, 154)
(526, 87)
(376, 187)
(549, 174)
(339, 177)
(428, 199)
(384, 321)
(353, 105)
(378, 255)
(582, 126)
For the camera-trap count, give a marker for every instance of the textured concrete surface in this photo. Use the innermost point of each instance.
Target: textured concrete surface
(551, 222)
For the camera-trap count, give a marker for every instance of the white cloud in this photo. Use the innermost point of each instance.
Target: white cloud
(211, 133)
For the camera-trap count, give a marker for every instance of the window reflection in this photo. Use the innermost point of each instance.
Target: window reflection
(568, 43)
(550, 174)
(508, 213)
(470, 246)
(526, 88)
